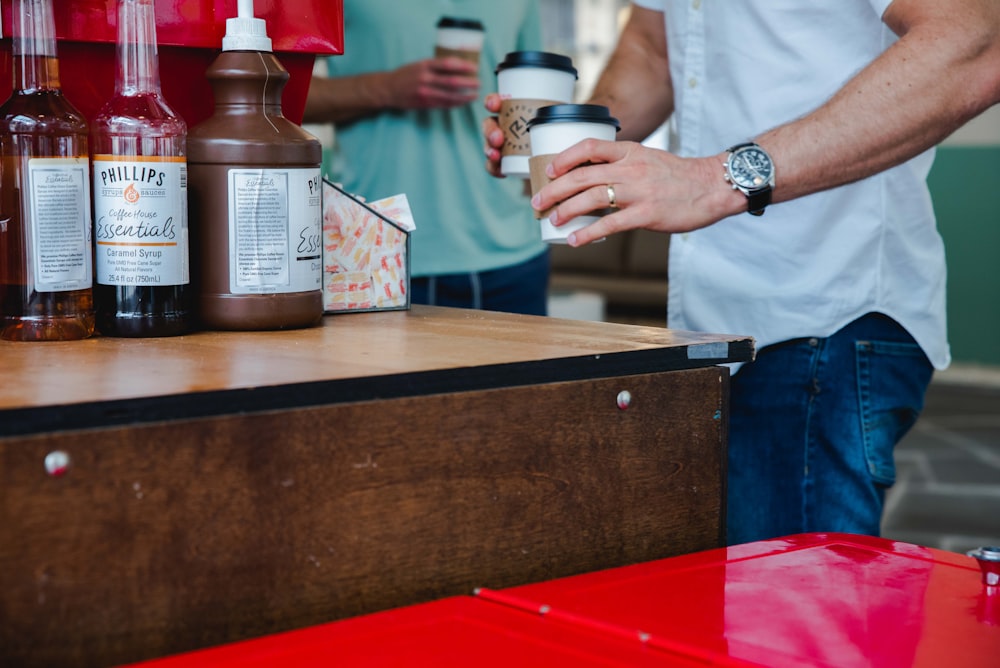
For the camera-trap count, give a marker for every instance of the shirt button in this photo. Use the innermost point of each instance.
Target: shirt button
(696, 4)
(692, 82)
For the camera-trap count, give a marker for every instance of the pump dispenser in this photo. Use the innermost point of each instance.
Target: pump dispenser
(255, 194)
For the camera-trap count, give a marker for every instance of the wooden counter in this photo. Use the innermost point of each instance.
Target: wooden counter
(221, 486)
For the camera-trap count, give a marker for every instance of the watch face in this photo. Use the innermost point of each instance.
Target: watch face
(750, 167)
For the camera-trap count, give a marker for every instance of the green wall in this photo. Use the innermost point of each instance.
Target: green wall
(965, 184)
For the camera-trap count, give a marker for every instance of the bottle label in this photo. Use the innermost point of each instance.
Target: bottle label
(59, 201)
(275, 230)
(141, 230)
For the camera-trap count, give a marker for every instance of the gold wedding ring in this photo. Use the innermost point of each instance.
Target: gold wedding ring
(612, 200)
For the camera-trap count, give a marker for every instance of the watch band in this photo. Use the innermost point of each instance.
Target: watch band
(758, 201)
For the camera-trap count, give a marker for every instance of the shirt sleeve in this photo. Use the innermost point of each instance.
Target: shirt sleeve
(880, 6)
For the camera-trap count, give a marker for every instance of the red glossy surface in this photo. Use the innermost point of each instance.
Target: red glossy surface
(452, 632)
(189, 33)
(811, 600)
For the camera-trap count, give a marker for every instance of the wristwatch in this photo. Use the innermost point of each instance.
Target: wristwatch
(751, 171)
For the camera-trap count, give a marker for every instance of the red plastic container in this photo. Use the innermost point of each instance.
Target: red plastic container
(809, 600)
(189, 33)
(460, 631)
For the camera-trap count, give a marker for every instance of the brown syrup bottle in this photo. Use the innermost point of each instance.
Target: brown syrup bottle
(255, 194)
(46, 264)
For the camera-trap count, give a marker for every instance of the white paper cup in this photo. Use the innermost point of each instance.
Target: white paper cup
(459, 37)
(553, 130)
(528, 80)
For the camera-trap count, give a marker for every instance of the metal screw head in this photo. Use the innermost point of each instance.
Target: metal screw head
(624, 399)
(988, 552)
(989, 563)
(57, 463)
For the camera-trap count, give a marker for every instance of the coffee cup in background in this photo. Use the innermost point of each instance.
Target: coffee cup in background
(527, 81)
(459, 37)
(553, 130)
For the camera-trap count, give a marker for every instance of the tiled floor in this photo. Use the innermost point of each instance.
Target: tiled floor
(947, 492)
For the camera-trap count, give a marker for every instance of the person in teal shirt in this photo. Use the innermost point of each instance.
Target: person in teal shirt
(407, 122)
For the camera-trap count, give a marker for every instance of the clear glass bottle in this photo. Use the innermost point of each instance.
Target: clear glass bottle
(140, 193)
(46, 264)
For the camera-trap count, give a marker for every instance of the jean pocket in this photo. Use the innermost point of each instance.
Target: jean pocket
(892, 380)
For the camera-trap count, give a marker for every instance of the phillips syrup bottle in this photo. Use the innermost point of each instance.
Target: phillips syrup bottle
(256, 214)
(140, 193)
(46, 268)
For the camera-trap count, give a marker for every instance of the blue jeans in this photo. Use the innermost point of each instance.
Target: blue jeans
(813, 425)
(521, 288)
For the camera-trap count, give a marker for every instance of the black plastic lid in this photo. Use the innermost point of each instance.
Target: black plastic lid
(543, 59)
(455, 22)
(576, 113)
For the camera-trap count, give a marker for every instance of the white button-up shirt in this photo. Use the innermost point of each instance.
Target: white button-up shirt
(809, 266)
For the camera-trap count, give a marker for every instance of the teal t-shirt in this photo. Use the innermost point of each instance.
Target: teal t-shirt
(466, 219)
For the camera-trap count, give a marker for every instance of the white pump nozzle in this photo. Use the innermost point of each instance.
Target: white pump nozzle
(246, 33)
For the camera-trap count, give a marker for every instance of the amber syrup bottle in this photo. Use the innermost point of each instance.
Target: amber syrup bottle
(256, 210)
(140, 193)
(46, 264)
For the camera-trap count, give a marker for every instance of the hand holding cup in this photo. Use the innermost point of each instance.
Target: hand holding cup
(459, 38)
(554, 129)
(432, 83)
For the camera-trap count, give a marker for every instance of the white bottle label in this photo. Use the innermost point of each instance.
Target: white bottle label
(141, 231)
(275, 230)
(59, 201)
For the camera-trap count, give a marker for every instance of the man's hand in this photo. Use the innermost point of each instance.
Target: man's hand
(432, 83)
(653, 189)
(493, 135)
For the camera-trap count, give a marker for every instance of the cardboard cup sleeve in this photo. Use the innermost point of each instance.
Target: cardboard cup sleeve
(514, 117)
(536, 166)
(464, 54)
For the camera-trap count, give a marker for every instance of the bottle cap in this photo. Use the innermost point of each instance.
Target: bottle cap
(246, 33)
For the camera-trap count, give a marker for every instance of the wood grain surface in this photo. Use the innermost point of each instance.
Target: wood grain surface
(481, 450)
(345, 347)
